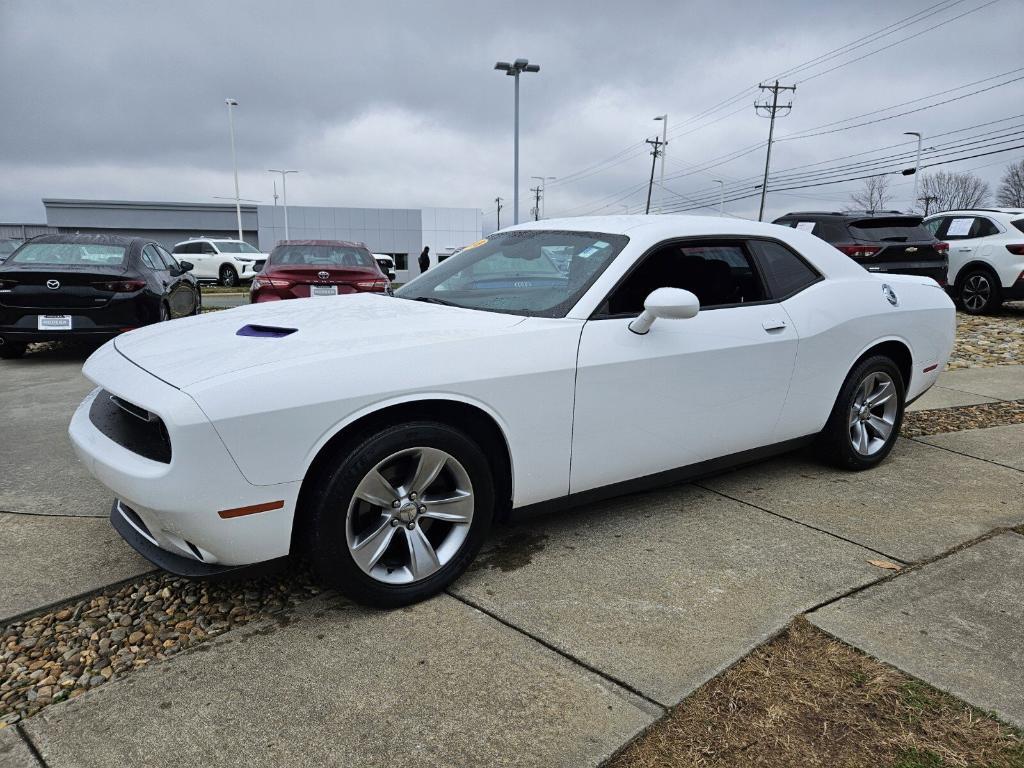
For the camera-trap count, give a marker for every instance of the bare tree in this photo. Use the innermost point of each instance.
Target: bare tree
(873, 196)
(1011, 188)
(946, 191)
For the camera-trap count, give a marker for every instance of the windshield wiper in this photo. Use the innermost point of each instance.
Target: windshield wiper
(432, 300)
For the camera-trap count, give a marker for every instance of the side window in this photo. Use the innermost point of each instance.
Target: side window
(785, 272)
(718, 273)
(181, 248)
(168, 260)
(933, 226)
(984, 228)
(958, 228)
(207, 248)
(152, 259)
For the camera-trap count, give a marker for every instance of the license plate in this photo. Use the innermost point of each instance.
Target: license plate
(323, 290)
(53, 322)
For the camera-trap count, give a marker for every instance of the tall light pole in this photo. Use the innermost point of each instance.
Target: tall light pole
(515, 69)
(917, 166)
(284, 195)
(664, 148)
(721, 197)
(543, 192)
(234, 163)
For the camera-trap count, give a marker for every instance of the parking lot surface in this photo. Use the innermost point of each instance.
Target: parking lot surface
(570, 634)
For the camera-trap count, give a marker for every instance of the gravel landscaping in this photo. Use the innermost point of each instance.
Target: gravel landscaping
(805, 699)
(64, 652)
(985, 340)
(938, 420)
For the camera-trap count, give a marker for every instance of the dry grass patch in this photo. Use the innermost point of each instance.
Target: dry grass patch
(938, 420)
(805, 699)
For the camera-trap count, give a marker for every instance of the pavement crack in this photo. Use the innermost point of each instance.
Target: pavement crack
(886, 555)
(660, 709)
(30, 745)
(961, 453)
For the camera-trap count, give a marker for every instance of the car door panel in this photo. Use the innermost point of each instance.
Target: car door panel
(687, 391)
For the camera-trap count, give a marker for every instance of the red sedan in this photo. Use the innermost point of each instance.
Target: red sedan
(297, 269)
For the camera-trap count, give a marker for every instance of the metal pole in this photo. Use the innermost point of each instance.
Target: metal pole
(917, 167)
(234, 163)
(284, 201)
(515, 186)
(721, 197)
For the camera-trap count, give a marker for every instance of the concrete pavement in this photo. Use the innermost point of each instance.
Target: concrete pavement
(1001, 445)
(957, 624)
(970, 386)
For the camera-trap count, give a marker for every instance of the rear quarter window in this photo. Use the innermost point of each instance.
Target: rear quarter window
(785, 272)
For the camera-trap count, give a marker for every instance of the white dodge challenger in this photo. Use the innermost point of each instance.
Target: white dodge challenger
(553, 363)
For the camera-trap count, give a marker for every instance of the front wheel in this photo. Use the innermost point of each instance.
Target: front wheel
(866, 418)
(980, 292)
(228, 276)
(398, 517)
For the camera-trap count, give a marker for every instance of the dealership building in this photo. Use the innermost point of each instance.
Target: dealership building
(399, 232)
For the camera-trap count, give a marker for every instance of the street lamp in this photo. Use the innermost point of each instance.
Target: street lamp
(234, 163)
(284, 195)
(721, 197)
(515, 69)
(664, 148)
(917, 166)
(543, 192)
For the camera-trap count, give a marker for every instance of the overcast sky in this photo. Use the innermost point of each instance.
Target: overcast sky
(397, 103)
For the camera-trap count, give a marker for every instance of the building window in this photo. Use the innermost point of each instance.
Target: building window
(401, 260)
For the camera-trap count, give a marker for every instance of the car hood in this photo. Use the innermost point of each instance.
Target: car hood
(187, 351)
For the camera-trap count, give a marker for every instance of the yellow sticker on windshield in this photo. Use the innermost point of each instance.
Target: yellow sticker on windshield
(477, 244)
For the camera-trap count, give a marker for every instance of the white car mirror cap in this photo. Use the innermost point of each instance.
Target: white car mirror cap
(668, 303)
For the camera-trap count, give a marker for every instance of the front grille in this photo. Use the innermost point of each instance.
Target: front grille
(131, 427)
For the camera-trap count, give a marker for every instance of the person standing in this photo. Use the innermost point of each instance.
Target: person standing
(425, 259)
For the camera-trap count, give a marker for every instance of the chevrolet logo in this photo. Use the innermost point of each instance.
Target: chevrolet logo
(911, 249)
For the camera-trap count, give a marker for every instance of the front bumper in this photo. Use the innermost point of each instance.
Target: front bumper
(178, 503)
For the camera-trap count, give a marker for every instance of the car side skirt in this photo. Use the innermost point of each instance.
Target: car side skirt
(660, 479)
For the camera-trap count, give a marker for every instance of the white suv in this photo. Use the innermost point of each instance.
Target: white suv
(986, 255)
(226, 261)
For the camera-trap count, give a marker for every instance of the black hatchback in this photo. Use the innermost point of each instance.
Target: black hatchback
(882, 241)
(58, 287)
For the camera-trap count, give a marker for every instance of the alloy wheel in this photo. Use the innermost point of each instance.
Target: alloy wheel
(873, 413)
(228, 278)
(977, 292)
(409, 515)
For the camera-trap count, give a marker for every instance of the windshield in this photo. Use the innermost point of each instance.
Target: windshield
(8, 246)
(235, 247)
(895, 230)
(321, 256)
(72, 254)
(524, 272)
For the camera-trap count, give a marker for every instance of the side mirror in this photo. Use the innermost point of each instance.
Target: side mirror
(186, 266)
(669, 303)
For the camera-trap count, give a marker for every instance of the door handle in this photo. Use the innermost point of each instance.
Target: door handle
(773, 325)
(965, 249)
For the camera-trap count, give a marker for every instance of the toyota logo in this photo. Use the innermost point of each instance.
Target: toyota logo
(53, 285)
(323, 275)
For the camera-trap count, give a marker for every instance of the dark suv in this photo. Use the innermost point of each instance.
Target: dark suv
(880, 241)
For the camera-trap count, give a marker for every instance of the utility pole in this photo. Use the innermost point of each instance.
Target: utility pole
(721, 197)
(917, 168)
(928, 200)
(275, 193)
(771, 110)
(655, 154)
(664, 151)
(498, 201)
(536, 202)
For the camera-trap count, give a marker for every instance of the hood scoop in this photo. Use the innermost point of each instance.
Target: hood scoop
(265, 331)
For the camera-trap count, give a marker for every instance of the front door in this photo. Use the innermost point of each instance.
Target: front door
(688, 390)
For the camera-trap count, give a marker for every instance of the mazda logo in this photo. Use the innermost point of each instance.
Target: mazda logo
(53, 285)
(323, 275)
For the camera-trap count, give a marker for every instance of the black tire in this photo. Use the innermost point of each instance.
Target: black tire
(326, 509)
(979, 291)
(836, 441)
(165, 312)
(199, 300)
(9, 351)
(227, 276)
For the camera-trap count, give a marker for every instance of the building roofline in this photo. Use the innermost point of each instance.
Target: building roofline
(143, 205)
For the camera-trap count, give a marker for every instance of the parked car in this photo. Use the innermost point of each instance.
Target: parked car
(59, 287)
(882, 241)
(226, 261)
(7, 247)
(386, 264)
(986, 255)
(381, 436)
(299, 269)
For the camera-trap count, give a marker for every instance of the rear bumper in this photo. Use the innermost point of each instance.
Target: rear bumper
(32, 337)
(937, 271)
(1015, 292)
(21, 324)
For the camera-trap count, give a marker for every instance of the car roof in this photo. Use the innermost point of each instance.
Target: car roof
(205, 239)
(848, 215)
(343, 243)
(90, 239)
(975, 211)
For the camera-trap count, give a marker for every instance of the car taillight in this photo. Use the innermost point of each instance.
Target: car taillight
(859, 251)
(261, 281)
(1017, 249)
(941, 247)
(120, 286)
(372, 285)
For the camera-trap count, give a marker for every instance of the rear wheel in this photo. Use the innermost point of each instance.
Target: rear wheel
(9, 351)
(866, 418)
(980, 292)
(398, 517)
(165, 312)
(228, 276)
